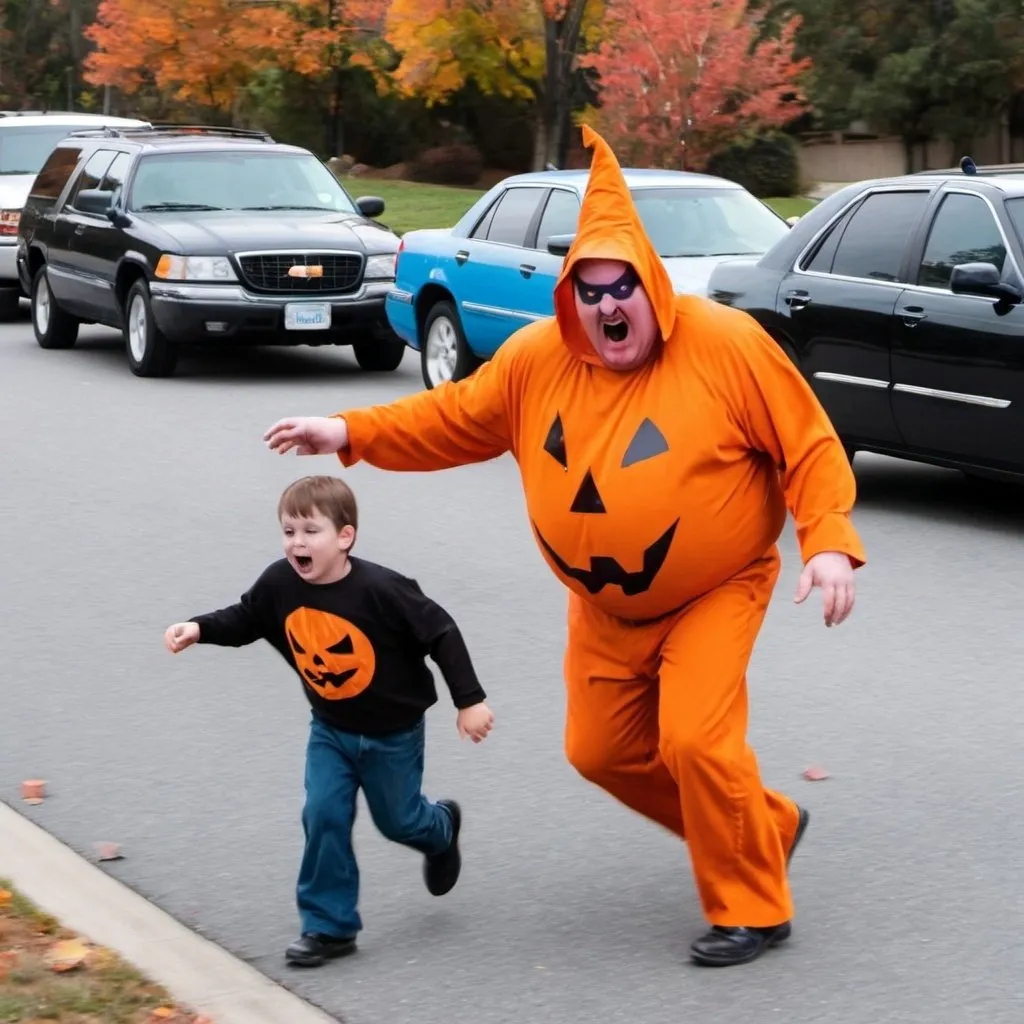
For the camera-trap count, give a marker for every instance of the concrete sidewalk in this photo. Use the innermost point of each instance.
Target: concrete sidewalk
(194, 970)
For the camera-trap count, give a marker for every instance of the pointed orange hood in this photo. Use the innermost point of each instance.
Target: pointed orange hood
(610, 228)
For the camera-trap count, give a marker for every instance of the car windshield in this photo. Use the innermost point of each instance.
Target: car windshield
(707, 221)
(243, 180)
(23, 150)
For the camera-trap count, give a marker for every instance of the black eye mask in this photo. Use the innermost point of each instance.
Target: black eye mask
(621, 288)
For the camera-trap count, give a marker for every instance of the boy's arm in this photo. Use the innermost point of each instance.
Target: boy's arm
(436, 630)
(236, 625)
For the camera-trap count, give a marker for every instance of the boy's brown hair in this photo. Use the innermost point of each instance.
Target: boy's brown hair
(325, 494)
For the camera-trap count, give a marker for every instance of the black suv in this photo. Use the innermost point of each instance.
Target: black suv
(901, 300)
(179, 234)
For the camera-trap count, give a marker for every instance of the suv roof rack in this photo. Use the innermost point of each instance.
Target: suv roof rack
(148, 131)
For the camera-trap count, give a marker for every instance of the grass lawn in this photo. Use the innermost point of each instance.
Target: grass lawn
(410, 205)
(49, 974)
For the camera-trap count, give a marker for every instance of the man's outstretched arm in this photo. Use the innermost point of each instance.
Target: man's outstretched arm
(455, 424)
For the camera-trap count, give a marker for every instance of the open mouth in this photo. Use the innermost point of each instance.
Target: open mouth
(304, 562)
(615, 330)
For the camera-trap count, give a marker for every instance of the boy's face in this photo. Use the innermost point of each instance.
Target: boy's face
(315, 547)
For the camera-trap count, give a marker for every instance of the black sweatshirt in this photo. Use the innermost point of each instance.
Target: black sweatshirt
(358, 645)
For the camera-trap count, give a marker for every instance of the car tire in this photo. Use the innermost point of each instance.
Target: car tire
(444, 352)
(52, 326)
(150, 352)
(379, 355)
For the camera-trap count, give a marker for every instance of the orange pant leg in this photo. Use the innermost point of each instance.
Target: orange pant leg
(738, 832)
(611, 728)
(657, 716)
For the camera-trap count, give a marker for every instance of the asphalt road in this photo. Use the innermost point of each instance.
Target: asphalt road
(128, 504)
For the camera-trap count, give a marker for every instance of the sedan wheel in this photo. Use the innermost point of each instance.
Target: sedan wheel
(445, 355)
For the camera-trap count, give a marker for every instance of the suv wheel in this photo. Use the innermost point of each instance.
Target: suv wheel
(53, 327)
(379, 354)
(150, 354)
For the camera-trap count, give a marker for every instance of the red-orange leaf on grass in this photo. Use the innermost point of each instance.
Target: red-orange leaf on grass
(679, 80)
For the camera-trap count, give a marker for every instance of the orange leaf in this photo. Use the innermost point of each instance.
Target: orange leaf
(66, 955)
(5, 897)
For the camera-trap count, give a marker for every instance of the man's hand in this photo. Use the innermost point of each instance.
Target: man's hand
(832, 571)
(308, 435)
(181, 635)
(475, 722)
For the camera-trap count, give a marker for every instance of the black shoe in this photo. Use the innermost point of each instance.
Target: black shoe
(801, 827)
(727, 947)
(441, 871)
(312, 950)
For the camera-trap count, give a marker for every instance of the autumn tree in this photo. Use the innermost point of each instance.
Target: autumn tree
(207, 51)
(679, 81)
(518, 49)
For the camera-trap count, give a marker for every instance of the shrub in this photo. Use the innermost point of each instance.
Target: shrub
(455, 164)
(767, 165)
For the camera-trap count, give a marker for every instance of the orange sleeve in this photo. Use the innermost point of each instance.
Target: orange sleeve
(782, 416)
(451, 425)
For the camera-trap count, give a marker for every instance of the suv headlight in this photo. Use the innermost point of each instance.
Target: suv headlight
(195, 268)
(381, 268)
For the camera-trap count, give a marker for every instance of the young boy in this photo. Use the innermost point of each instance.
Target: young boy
(357, 635)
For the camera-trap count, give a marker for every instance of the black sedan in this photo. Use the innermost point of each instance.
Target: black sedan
(900, 301)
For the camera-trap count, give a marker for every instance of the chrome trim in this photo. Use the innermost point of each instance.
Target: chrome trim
(953, 396)
(515, 314)
(903, 285)
(307, 250)
(186, 291)
(846, 378)
(400, 295)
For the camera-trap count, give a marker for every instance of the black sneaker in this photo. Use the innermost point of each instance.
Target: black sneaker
(441, 871)
(313, 950)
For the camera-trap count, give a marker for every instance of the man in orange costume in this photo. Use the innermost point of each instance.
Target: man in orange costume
(660, 439)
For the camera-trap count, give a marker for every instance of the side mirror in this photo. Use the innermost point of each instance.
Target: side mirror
(370, 206)
(93, 200)
(559, 245)
(983, 279)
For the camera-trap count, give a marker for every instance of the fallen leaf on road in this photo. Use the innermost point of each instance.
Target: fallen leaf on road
(33, 790)
(108, 851)
(815, 773)
(66, 955)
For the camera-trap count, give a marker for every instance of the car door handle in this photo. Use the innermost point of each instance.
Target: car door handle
(797, 299)
(526, 269)
(912, 315)
(461, 256)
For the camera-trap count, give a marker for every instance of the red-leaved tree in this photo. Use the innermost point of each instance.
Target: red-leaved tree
(680, 79)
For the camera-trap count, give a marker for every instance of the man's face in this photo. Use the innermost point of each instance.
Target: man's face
(615, 312)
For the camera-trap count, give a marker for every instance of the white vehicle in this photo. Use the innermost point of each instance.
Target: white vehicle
(25, 143)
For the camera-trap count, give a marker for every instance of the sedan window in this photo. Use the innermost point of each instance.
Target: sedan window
(236, 181)
(964, 231)
(875, 240)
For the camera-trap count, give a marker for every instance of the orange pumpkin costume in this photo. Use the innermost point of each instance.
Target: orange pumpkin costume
(657, 497)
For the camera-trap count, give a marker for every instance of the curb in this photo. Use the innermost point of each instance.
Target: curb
(193, 969)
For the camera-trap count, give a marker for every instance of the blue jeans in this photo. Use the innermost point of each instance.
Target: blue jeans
(389, 769)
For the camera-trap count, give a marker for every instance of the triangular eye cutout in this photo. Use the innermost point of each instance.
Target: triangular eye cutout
(554, 444)
(647, 442)
(296, 646)
(587, 497)
(342, 647)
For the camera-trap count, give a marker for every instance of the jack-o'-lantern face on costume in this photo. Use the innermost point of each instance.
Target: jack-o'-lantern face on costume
(603, 458)
(334, 657)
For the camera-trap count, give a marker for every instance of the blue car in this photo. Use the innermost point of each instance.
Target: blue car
(460, 292)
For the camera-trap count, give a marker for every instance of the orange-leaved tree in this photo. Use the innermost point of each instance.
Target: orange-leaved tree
(207, 51)
(519, 49)
(680, 80)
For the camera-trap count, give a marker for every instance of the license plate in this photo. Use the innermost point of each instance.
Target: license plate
(307, 316)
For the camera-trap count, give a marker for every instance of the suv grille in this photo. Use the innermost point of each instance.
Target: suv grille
(268, 272)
